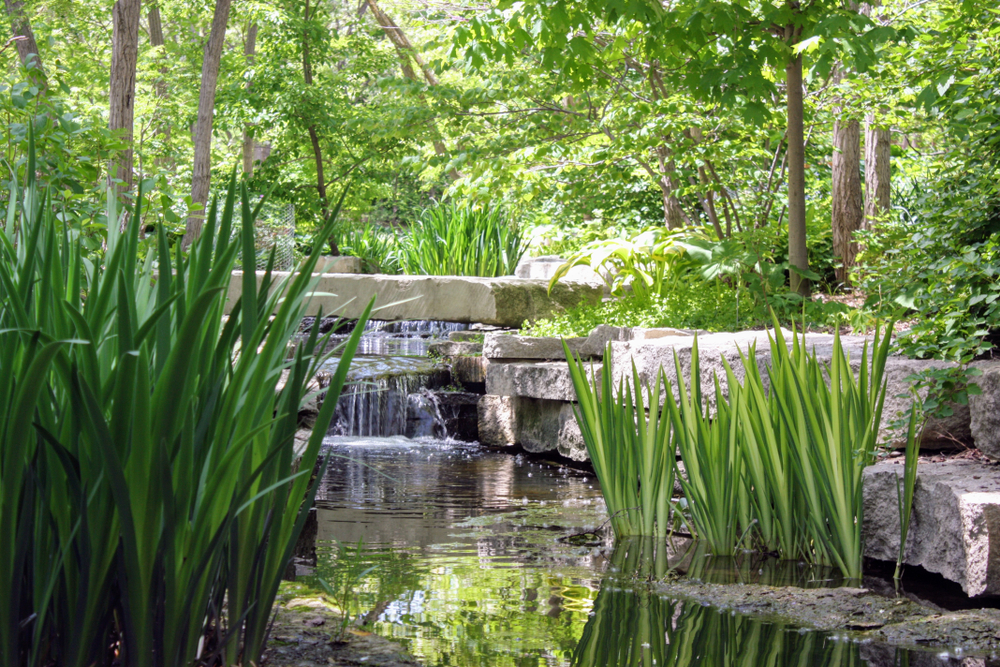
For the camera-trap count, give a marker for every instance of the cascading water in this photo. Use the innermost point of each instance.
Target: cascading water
(390, 381)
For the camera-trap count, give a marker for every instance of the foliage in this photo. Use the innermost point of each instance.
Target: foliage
(147, 473)
(455, 240)
(350, 571)
(905, 489)
(710, 306)
(756, 461)
(373, 244)
(651, 262)
(632, 453)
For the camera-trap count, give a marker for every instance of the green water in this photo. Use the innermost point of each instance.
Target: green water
(461, 560)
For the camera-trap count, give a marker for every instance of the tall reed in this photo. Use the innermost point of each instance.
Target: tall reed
(776, 469)
(149, 495)
(629, 447)
(452, 240)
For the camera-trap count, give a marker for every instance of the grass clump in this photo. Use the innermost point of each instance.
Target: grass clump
(776, 469)
(453, 240)
(149, 494)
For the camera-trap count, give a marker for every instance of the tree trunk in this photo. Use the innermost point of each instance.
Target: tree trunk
(406, 52)
(27, 47)
(202, 168)
(877, 154)
(124, 55)
(848, 211)
(798, 254)
(250, 51)
(162, 127)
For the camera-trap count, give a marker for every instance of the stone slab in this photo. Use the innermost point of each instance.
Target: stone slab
(504, 301)
(547, 380)
(450, 348)
(955, 525)
(984, 420)
(537, 425)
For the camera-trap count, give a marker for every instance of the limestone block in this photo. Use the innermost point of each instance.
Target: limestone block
(496, 421)
(505, 301)
(570, 439)
(509, 346)
(985, 410)
(548, 380)
(955, 525)
(469, 370)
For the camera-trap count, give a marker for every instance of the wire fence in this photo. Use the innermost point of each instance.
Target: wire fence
(274, 228)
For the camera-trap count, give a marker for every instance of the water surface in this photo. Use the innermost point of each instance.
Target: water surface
(460, 554)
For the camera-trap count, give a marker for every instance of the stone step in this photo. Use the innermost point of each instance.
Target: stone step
(506, 301)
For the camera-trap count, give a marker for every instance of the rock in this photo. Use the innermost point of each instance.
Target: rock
(467, 336)
(509, 346)
(544, 267)
(497, 427)
(470, 372)
(955, 525)
(504, 301)
(547, 380)
(984, 422)
(442, 414)
(450, 348)
(537, 425)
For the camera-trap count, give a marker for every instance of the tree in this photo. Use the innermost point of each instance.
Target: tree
(250, 52)
(877, 173)
(121, 90)
(202, 167)
(726, 52)
(27, 47)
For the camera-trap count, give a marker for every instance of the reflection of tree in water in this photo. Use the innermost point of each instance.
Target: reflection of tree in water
(632, 625)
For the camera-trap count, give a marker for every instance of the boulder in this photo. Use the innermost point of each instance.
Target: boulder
(955, 525)
(450, 348)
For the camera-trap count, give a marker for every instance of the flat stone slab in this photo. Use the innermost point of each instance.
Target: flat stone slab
(984, 420)
(955, 525)
(548, 379)
(507, 302)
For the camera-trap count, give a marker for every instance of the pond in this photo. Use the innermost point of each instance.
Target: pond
(461, 554)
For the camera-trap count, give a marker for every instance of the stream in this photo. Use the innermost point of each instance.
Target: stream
(473, 557)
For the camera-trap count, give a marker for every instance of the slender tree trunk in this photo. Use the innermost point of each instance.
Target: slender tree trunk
(313, 135)
(27, 47)
(877, 155)
(406, 53)
(848, 209)
(250, 51)
(798, 254)
(163, 126)
(124, 55)
(201, 172)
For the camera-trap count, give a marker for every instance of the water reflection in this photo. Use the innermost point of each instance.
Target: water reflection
(633, 626)
(459, 561)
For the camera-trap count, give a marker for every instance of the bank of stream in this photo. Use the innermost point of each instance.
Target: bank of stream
(466, 556)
